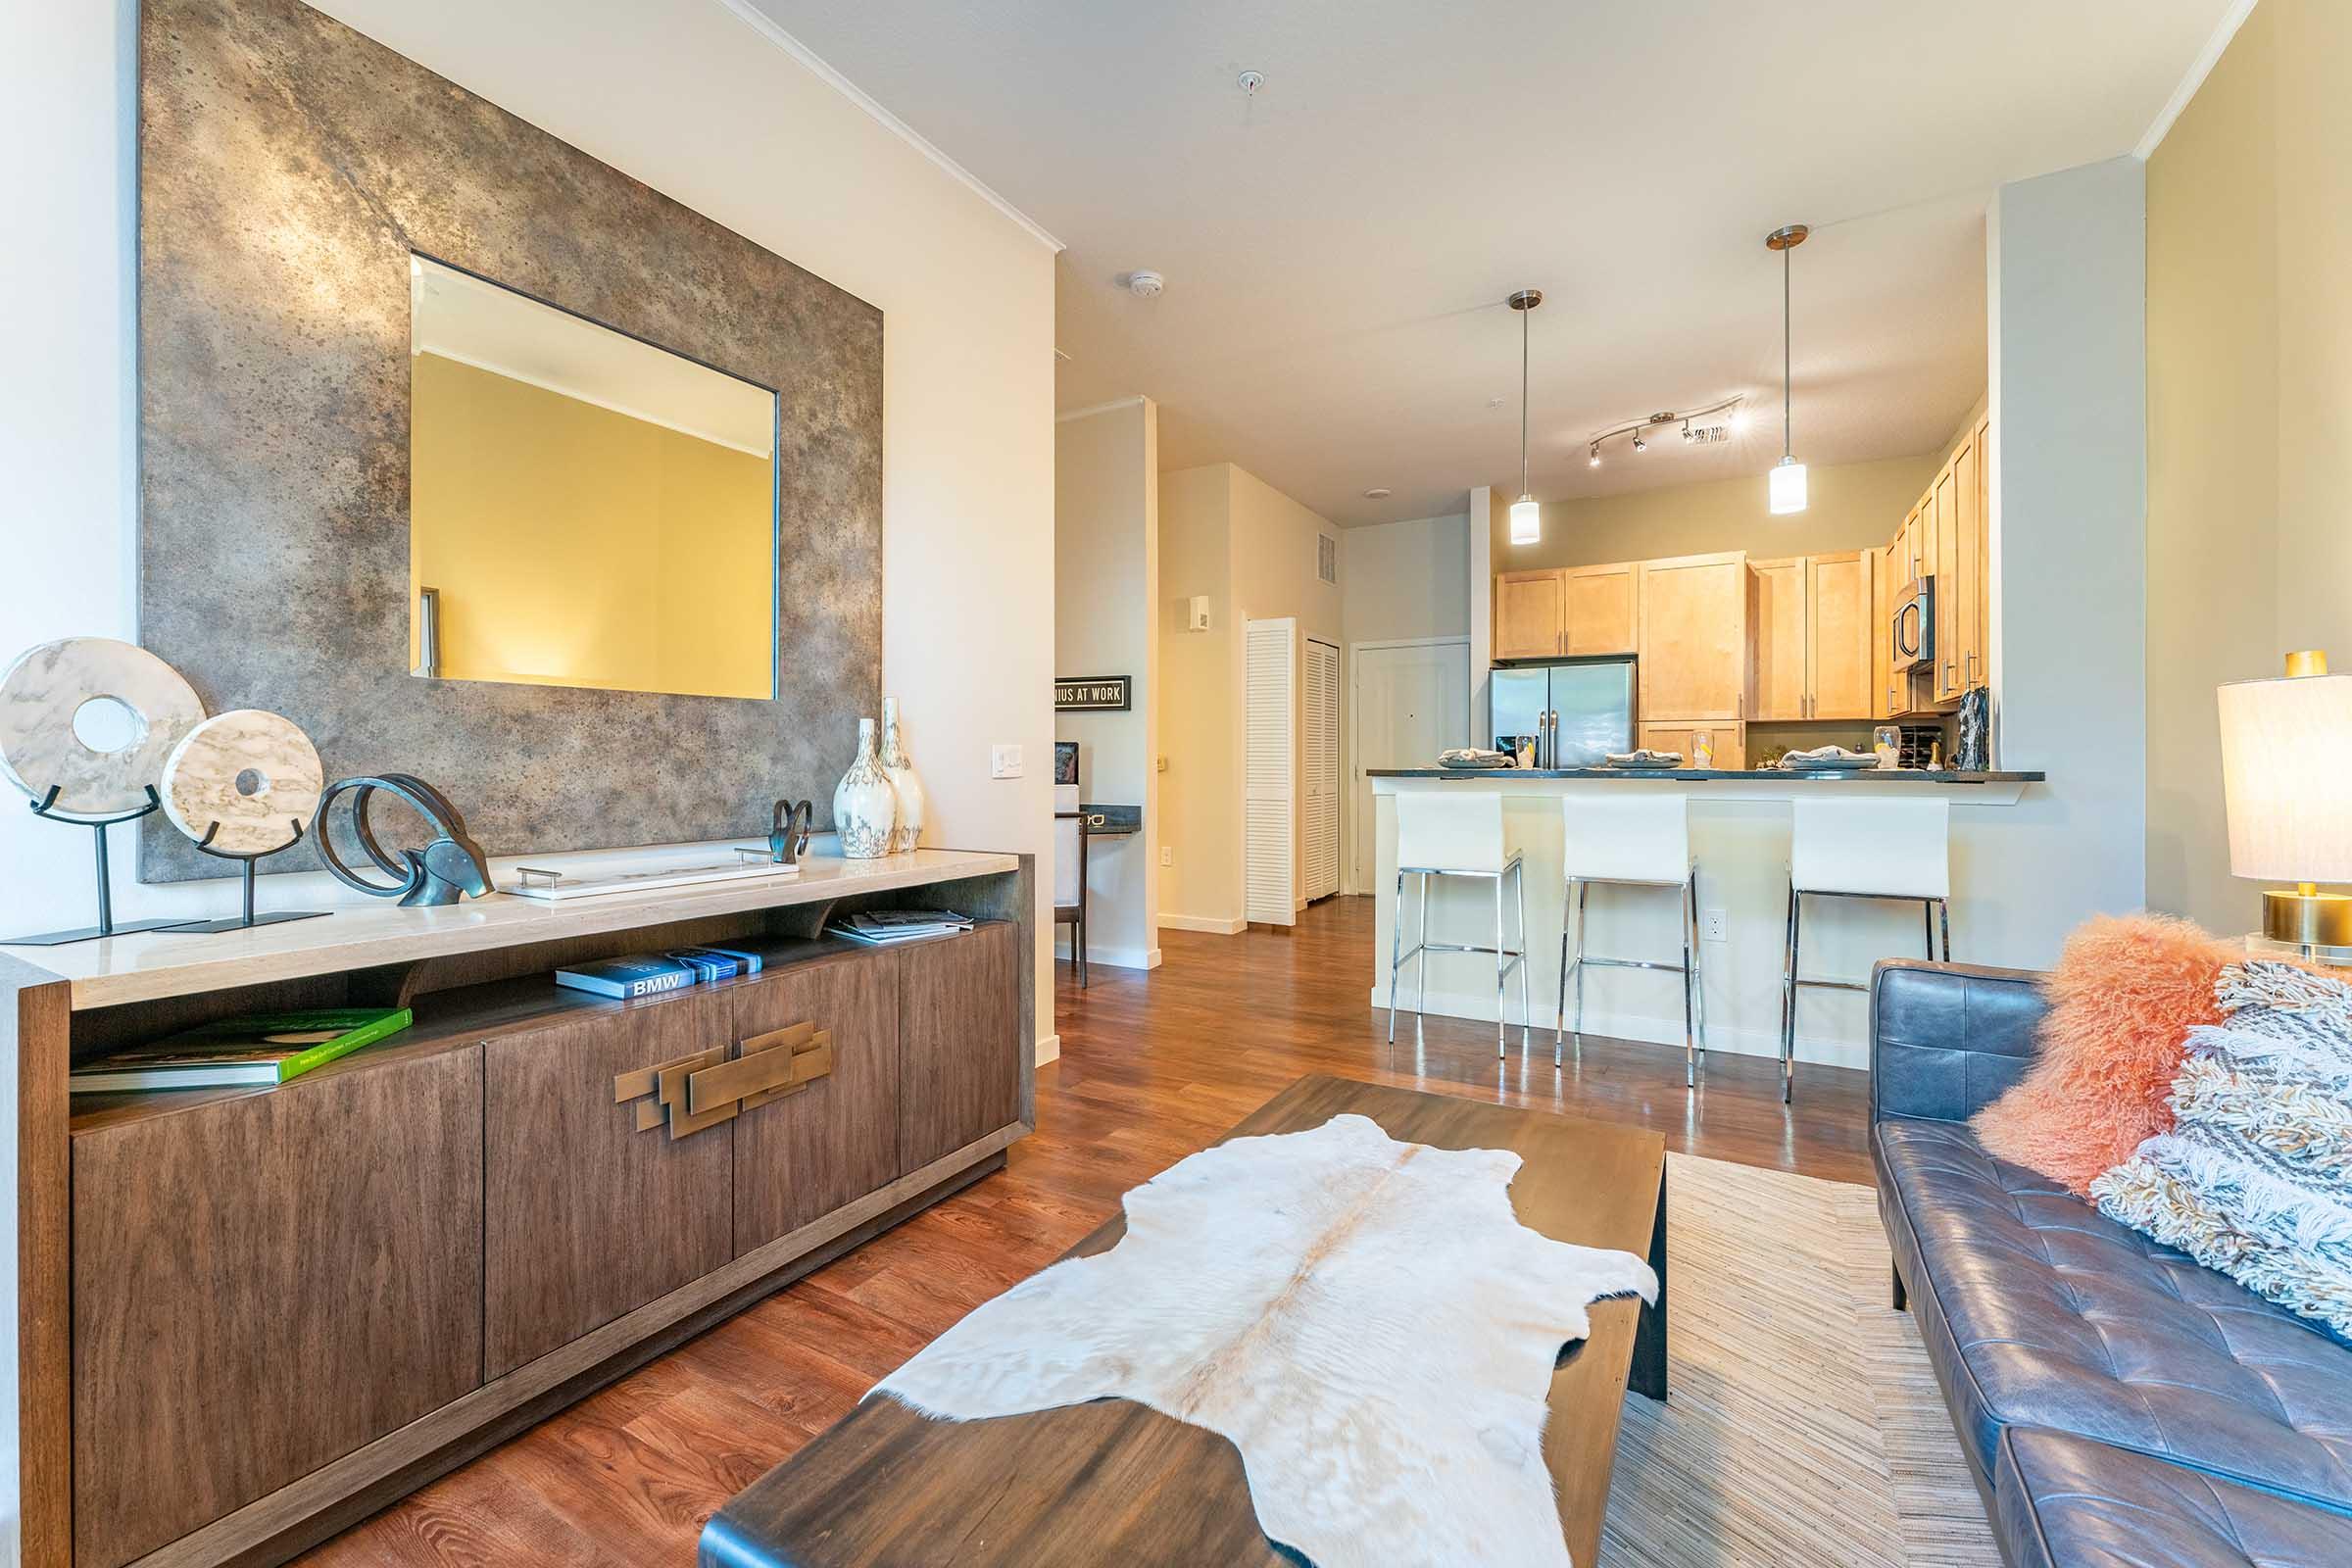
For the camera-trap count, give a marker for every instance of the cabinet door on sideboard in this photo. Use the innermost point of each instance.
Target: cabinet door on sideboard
(1531, 615)
(960, 1070)
(586, 1216)
(264, 1283)
(834, 1137)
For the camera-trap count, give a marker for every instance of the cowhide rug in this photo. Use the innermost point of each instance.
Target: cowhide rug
(1366, 1320)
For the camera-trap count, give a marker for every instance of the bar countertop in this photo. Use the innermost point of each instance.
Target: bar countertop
(1875, 775)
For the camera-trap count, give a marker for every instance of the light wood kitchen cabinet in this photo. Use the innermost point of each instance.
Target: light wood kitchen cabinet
(1531, 614)
(1727, 742)
(1959, 574)
(1602, 610)
(1776, 631)
(1840, 631)
(1975, 567)
(1883, 587)
(1694, 630)
(1811, 632)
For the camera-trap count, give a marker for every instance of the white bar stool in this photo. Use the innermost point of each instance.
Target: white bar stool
(1455, 832)
(1865, 849)
(1631, 841)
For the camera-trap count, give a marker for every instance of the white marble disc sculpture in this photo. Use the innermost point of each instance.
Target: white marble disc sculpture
(1366, 1319)
(44, 690)
(254, 773)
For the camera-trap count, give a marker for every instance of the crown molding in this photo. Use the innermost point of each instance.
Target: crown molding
(765, 26)
(2198, 70)
(1093, 409)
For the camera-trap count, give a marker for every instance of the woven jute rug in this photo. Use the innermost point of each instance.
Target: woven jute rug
(1803, 1428)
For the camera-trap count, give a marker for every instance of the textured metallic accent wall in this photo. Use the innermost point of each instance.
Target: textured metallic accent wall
(287, 169)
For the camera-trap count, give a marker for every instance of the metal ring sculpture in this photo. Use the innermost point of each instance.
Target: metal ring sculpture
(794, 820)
(443, 872)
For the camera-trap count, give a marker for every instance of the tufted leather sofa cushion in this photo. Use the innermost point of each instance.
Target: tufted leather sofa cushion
(2063, 1499)
(1947, 1039)
(2039, 1310)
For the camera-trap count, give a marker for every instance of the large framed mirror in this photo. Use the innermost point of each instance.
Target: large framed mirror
(585, 508)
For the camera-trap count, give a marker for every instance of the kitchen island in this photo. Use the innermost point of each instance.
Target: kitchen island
(1739, 833)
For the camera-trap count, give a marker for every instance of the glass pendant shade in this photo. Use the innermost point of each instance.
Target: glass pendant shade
(1527, 522)
(1787, 487)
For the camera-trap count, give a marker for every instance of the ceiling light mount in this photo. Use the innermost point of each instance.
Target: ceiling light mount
(1249, 81)
(1527, 518)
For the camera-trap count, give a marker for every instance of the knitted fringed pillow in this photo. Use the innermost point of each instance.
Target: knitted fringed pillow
(2255, 1178)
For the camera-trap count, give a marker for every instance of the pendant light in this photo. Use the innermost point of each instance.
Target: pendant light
(1527, 518)
(1787, 487)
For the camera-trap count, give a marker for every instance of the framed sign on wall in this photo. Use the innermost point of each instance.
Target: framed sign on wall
(1094, 694)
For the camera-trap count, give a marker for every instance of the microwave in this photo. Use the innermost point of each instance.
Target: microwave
(1912, 633)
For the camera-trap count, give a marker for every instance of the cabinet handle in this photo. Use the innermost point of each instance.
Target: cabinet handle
(700, 1091)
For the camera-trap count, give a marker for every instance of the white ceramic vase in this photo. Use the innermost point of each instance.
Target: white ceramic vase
(899, 769)
(866, 809)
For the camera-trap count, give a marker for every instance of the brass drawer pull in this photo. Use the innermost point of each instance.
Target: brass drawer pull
(709, 1087)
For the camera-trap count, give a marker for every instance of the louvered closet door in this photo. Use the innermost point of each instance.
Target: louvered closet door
(1322, 847)
(1270, 780)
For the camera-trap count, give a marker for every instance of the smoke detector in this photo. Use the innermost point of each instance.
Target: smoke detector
(1146, 285)
(1379, 492)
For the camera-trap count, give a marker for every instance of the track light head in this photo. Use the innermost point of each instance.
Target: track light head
(1595, 461)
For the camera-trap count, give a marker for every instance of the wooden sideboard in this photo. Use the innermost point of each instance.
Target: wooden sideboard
(251, 1317)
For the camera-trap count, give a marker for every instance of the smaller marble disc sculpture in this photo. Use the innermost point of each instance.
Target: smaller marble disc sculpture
(47, 686)
(254, 773)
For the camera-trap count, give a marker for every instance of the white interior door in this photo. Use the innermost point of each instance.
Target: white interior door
(1412, 702)
(1321, 737)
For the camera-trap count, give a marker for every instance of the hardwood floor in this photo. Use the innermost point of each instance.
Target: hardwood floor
(1154, 1066)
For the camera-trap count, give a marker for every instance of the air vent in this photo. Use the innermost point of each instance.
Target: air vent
(1327, 558)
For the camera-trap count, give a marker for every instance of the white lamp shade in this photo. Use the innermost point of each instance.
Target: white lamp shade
(1787, 487)
(2287, 756)
(1527, 522)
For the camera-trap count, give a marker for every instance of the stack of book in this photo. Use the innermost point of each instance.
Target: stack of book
(883, 928)
(255, 1051)
(645, 974)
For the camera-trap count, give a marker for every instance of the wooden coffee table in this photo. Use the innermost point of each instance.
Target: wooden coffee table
(1113, 1482)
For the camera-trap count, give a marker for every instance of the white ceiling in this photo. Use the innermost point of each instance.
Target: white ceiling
(1338, 248)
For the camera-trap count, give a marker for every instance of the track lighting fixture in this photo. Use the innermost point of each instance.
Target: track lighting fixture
(1694, 433)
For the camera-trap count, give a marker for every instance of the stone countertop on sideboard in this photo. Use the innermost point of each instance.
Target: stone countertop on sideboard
(146, 965)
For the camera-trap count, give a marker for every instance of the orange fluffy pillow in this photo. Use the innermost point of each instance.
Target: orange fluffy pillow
(2125, 994)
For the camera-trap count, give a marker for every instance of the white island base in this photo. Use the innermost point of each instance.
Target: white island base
(1740, 834)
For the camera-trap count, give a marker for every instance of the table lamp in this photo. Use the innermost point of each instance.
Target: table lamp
(2286, 766)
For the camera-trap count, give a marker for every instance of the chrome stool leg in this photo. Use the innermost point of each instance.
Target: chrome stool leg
(1584, 890)
(1502, 1012)
(1689, 911)
(1559, 1011)
(1396, 953)
(1943, 910)
(1421, 971)
(1789, 991)
(1698, 989)
(1527, 1025)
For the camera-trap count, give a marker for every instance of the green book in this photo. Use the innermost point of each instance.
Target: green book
(257, 1049)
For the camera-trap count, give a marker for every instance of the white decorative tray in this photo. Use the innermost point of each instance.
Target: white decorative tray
(560, 887)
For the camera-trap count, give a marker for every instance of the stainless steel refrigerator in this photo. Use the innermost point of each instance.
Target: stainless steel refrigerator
(1576, 714)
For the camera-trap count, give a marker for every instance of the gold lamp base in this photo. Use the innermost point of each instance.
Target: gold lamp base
(2308, 919)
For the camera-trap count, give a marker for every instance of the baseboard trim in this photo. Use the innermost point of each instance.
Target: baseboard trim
(1048, 1048)
(1214, 925)
(1113, 958)
(1820, 1050)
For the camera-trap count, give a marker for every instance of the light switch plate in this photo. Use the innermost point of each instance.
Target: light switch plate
(1003, 761)
(1715, 926)
(1167, 855)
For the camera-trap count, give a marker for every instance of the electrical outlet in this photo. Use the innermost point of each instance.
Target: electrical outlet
(1167, 855)
(1715, 926)
(1003, 761)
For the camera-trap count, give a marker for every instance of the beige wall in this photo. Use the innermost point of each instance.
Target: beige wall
(1200, 684)
(2249, 434)
(1226, 533)
(1106, 566)
(1405, 580)
(1851, 506)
